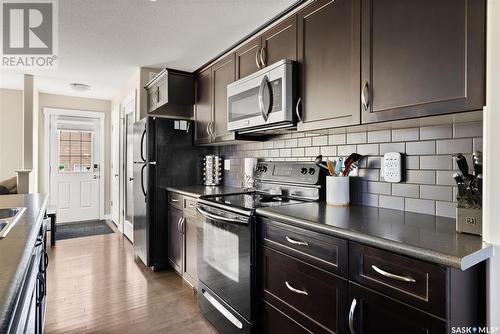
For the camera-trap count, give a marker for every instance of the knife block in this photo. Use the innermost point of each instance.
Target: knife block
(469, 221)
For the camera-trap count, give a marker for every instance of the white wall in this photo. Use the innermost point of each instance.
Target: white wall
(77, 103)
(491, 209)
(11, 132)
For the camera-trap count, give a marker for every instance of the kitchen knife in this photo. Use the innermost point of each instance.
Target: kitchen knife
(461, 196)
(477, 160)
(462, 165)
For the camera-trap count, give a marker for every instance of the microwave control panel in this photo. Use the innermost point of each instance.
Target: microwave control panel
(276, 98)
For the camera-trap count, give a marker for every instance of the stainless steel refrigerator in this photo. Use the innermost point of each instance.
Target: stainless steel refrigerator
(164, 155)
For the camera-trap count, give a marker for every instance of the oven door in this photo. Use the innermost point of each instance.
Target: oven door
(225, 261)
(262, 99)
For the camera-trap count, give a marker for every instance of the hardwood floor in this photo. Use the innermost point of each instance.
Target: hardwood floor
(96, 286)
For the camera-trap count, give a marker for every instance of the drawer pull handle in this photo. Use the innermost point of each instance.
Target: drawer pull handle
(174, 200)
(191, 205)
(351, 316)
(296, 242)
(291, 288)
(396, 277)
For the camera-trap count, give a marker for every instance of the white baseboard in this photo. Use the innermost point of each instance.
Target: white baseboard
(106, 217)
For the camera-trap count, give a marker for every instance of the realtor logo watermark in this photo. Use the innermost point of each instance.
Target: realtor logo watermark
(29, 37)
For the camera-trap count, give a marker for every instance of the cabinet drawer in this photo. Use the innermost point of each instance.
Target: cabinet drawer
(275, 321)
(412, 281)
(316, 294)
(321, 250)
(190, 205)
(175, 200)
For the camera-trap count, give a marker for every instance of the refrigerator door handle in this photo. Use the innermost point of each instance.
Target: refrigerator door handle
(142, 145)
(142, 180)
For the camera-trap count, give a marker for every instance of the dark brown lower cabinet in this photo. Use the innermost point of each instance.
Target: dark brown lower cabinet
(275, 321)
(311, 296)
(372, 312)
(175, 236)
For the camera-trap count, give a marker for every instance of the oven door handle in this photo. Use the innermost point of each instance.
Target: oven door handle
(264, 98)
(216, 217)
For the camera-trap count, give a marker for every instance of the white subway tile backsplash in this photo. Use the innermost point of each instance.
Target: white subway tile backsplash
(391, 202)
(382, 188)
(392, 147)
(291, 143)
(421, 147)
(329, 151)
(368, 149)
(421, 176)
(428, 184)
(436, 132)
(405, 134)
(356, 138)
(304, 142)
(440, 193)
(311, 151)
(453, 146)
(298, 152)
(337, 139)
(320, 141)
(406, 190)
(445, 178)
(436, 162)
(382, 136)
(446, 209)
(346, 150)
(420, 206)
(473, 129)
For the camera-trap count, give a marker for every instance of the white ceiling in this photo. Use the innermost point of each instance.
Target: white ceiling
(101, 42)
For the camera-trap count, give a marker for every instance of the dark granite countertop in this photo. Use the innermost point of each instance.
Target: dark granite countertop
(422, 236)
(200, 190)
(16, 249)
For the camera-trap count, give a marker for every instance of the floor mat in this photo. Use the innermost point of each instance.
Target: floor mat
(82, 229)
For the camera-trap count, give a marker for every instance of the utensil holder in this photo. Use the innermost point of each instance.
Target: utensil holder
(469, 221)
(337, 190)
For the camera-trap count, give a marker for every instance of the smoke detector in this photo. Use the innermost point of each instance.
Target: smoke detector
(79, 86)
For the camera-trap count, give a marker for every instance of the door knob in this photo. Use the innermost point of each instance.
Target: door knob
(116, 175)
(95, 177)
(131, 178)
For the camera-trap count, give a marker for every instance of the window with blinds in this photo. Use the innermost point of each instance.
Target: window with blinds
(75, 151)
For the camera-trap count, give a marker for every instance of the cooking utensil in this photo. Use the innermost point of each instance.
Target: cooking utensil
(354, 157)
(331, 167)
(321, 164)
(338, 166)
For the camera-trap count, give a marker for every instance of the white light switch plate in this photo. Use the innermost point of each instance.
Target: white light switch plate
(227, 164)
(392, 164)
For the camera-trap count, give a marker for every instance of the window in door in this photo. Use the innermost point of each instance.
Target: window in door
(75, 151)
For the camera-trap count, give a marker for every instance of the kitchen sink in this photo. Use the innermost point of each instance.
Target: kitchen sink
(8, 218)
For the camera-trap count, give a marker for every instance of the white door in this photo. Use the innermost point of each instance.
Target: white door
(74, 168)
(128, 111)
(115, 168)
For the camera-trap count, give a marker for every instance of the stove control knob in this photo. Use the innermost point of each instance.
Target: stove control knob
(264, 169)
(303, 170)
(312, 171)
(259, 169)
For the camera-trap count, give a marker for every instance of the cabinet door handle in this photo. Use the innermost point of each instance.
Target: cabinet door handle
(291, 288)
(365, 96)
(208, 129)
(297, 111)
(296, 242)
(179, 225)
(257, 54)
(262, 55)
(157, 94)
(174, 200)
(393, 276)
(351, 316)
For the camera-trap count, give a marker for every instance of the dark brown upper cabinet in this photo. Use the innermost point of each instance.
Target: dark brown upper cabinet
(421, 58)
(203, 108)
(247, 58)
(329, 64)
(279, 42)
(171, 93)
(222, 75)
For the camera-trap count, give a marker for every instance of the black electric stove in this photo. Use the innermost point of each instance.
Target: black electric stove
(226, 241)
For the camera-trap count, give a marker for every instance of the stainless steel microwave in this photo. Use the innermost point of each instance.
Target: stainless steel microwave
(263, 100)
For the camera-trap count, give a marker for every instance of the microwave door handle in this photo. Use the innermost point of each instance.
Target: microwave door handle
(264, 98)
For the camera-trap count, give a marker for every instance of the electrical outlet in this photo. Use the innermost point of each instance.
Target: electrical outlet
(227, 164)
(392, 164)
